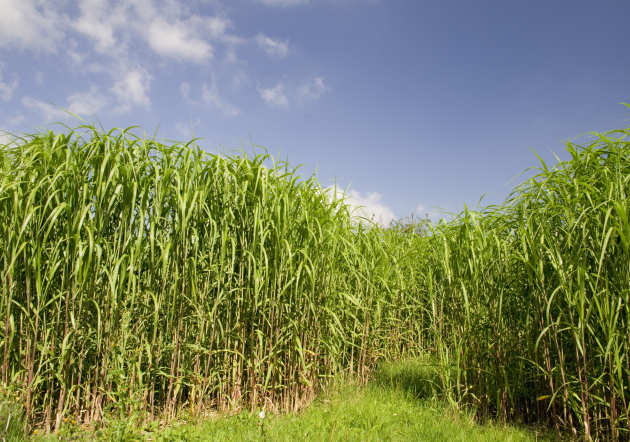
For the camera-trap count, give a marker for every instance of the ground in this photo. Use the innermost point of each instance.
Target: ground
(398, 404)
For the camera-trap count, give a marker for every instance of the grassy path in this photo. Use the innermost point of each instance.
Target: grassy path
(353, 414)
(397, 405)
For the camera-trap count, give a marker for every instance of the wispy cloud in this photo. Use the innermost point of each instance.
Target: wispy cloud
(274, 96)
(313, 89)
(29, 24)
(50, 111)
(273, 48)
(86, 103)
(168, 28)
(82, 62)
(7, 87)
(99, 21)
(187, 129)
(367, 206)
(239, 79)
(178, 40)
(211, 96)
(283, 3)
(104, 38)
(184, 90)
(132, 89)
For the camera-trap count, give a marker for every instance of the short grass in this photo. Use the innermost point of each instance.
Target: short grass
(397, 405)
(353, 414)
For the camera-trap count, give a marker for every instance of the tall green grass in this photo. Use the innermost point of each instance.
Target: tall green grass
(142, 278)
(139, 278)
(534, 295)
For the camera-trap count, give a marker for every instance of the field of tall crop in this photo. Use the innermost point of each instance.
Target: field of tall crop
(143, 279)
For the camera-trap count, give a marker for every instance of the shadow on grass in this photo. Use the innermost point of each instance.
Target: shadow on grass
(424, 381)
(421, 379)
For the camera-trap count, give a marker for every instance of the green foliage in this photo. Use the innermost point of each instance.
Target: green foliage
(146, 280)
(11, 417)
(351, 413)
(533, 296)
(383, 410)
(140, 278)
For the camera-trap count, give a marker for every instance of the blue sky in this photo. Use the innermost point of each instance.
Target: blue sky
(411, 105)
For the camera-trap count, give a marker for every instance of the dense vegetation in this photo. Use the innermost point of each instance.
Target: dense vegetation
(397, 404)
(142, 278)
(534, 295)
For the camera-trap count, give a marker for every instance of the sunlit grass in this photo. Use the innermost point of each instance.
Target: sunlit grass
(394, 406)
(533, 296)
(141, 281)
(354, 414)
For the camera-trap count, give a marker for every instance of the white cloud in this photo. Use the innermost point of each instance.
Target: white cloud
(7, 88)
(80, 62)
(274, 96)
(368, 206)
(167, 26)
(313, 89)
(283, 3)
(98, 21)
(77, 58)
(239, 79)
(184, 89)
(273, 48)
(80, 103)
(211, 96)
(217, 26)
(187, 129)
(49, 111)
(105, 37)
(30, 24)
(171, 30)
(132, 90)
(86, 103)
(230, 56)
(178, 40)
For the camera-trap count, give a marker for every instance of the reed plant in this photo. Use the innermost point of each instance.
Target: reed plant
(535, 295)
(141, 278)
